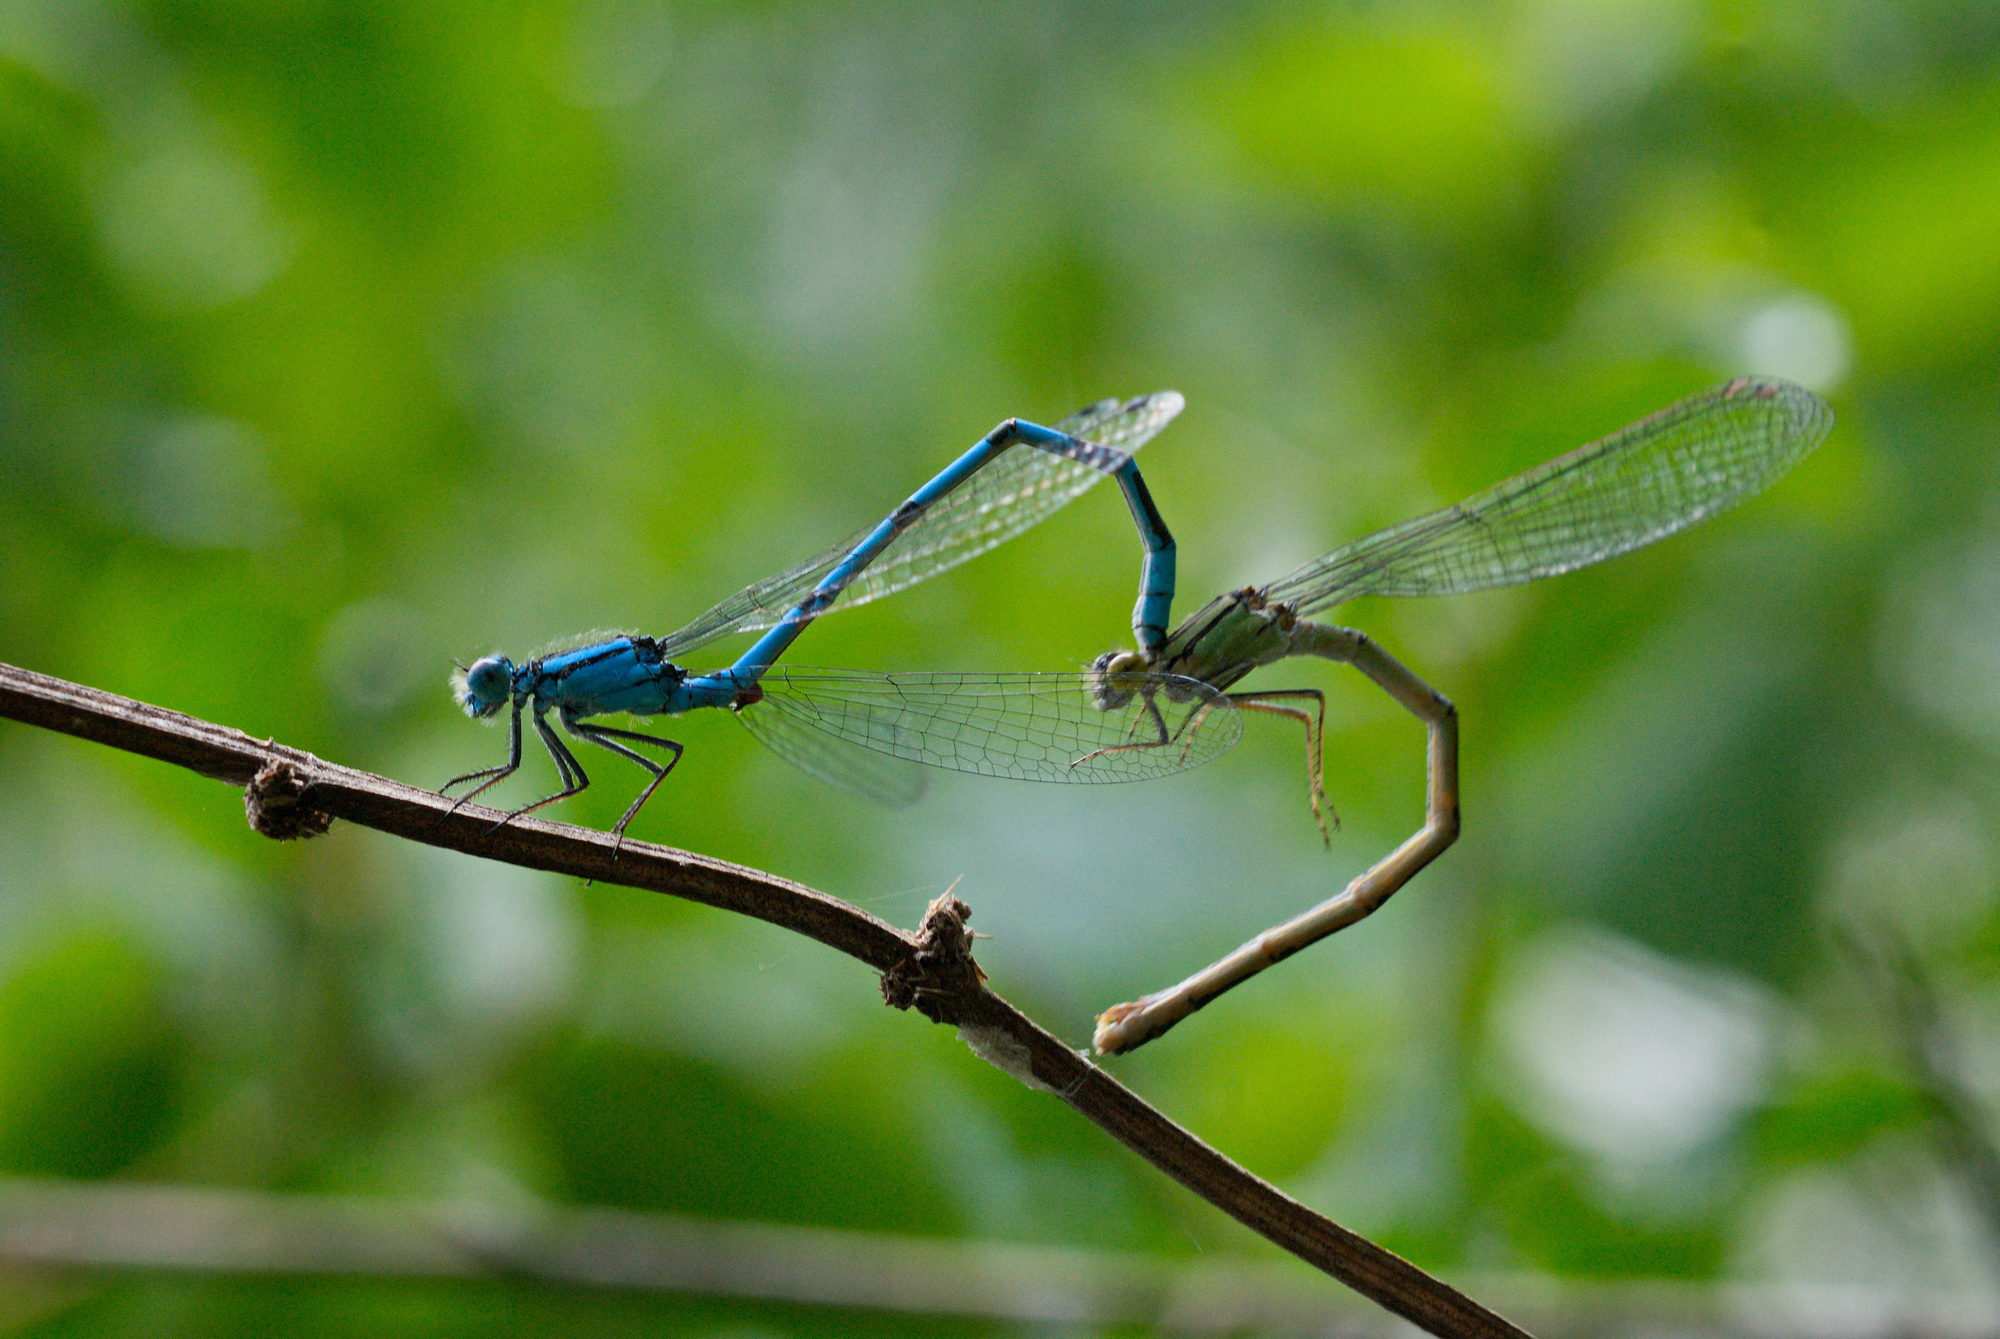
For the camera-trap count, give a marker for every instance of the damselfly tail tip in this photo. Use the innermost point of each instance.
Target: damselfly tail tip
(1109, 1037)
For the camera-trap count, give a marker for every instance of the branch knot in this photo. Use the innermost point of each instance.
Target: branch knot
(939, 978)
(274, 803)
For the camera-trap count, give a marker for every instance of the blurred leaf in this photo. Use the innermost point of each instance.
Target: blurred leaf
(1835, 1116)
(644, 1130)
(89, 1069)
(1410, 122)
(1549, 1211)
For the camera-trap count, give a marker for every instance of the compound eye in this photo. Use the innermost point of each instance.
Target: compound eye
(1114, 678)
(488, 683)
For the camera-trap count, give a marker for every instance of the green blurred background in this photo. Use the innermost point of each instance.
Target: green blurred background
(341, 340)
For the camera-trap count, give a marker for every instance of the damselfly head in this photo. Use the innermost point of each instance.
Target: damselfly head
(1114, 678)
(483, 687)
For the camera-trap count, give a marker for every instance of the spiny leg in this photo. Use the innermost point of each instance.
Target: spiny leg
(1126, 1026)
(603, 736)
(1161, 737)
(494, 775)
(575, 780)
(1315, 723)
(1185, 732)
(1191, 726)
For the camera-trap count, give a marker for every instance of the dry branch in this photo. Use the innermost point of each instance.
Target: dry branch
(291, 793)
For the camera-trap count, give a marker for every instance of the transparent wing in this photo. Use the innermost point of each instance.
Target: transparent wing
(1019, 490)
(888, 778)
(1031, 727)
(1642, 483)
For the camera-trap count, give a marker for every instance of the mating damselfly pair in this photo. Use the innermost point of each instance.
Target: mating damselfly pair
(1167, 705)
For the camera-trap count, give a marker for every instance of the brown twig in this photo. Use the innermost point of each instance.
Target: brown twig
(126, 1225)
(52, 1231)
(290, 793)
